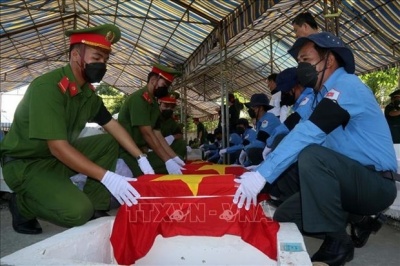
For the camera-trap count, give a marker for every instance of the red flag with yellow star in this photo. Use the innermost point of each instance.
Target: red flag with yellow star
(188, 205)
(211, 168)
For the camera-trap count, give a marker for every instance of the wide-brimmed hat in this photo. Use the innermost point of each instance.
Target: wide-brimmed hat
(395, 93)
(287, 79)
(259, 99)
(329, 41)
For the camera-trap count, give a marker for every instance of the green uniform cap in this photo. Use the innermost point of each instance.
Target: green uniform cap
(100, 36)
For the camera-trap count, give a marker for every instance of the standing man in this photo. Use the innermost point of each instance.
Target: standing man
(392, 114)
(42, 150)
(304, 24)
(139, 116)
(170, 129)
(201, 131)
(346, 160)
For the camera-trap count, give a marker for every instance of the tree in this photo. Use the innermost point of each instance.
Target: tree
(112, 98)
(382, 83)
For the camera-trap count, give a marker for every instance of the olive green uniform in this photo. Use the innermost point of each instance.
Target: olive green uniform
(55, 108)
(140, 109)
(171, 127)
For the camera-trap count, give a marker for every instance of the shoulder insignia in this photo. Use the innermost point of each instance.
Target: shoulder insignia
(63, 84)
(264, 123)
(147, 97)
(304, 101)
(332, 94)
(73, 90)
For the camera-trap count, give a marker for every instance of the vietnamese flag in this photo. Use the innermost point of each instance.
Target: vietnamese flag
(188, 205)
(211, 168)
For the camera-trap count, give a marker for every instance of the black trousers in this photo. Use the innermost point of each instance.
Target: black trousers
(331, 186)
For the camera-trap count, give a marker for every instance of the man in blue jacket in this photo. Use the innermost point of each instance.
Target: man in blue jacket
(346, 160)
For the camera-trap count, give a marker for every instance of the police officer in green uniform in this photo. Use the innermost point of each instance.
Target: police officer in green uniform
(170, 129)
(42, 150)
(139, 115)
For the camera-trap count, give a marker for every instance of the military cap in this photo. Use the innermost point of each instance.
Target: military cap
(395, 93)
(331, 42)
(170, 98)
(100, 36)
(165, 72)
(259, 99)
(287, 79)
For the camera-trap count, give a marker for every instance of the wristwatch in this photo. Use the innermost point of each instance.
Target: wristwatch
(143, 155)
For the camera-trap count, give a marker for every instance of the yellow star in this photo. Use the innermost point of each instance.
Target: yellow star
(220, 168)
(193, 181)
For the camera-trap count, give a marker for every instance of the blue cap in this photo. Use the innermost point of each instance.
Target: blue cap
(259, 99)
(287, 79)
(331, 42)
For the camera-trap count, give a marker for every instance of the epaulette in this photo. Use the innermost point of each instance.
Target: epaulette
(63, 84)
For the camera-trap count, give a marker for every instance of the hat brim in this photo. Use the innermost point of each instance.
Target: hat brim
(250, 104)
(343, 52)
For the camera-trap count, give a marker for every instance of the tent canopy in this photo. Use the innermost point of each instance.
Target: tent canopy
(233, 44)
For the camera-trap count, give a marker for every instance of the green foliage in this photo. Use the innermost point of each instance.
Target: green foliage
(112, 98)
(382, 83)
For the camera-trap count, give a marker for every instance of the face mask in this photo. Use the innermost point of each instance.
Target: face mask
(288, 99)
(161, 92)
(252, 113)
(307, 74)
(94, 72)
(240, 130)
(167, 113)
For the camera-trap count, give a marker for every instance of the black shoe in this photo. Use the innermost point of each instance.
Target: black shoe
(99, 214)
(21, 224)
(361, 230)
(334, 251)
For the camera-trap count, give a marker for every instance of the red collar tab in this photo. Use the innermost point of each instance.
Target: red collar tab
(147, 97)
(65, 84)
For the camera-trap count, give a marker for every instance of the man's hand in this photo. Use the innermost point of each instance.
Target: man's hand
(179, 161)
(265, 152)
(250, 184)
(172, 167)
(120, 188)
(222, 152)
(145, 166)
(169, 139)
(242, 157)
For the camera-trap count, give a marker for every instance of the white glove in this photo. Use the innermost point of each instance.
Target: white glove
(242, 157)
(201, 146)
(252, 167)
(266, 151)
(207, 153)
(145, 166)
(251, 184)
(172, 167)
(120, 188)
(179, 161)
(188, 149)
(169, 139)
(222, 152)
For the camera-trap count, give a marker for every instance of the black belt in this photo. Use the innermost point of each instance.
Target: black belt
(390, 175)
